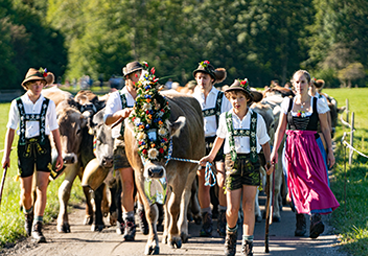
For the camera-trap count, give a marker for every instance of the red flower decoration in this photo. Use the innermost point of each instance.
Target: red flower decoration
(165, 139)
(161, 150)
(144, 151)
(299, 114)
(206, 62)
(147, 112)
(153, 70)
(146, 64)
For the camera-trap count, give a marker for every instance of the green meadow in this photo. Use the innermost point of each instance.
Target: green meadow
(349, 183)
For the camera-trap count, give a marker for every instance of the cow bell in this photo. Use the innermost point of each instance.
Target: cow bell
(94, 174)
(156, 190)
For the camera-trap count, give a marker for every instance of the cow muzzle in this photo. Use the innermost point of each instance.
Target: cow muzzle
(70, 158)
(156, 172)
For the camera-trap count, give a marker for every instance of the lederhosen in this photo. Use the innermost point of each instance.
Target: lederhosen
(242, 169)
(216, 111)
(120, 159)
(36, 150)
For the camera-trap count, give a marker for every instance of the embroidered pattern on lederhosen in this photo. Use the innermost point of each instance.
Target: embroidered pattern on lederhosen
(216, 111)
(24, 117)
(124, 104)
(243, 132)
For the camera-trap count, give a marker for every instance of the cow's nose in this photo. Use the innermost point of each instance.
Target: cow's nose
(156, 172)
(68, 160)
(107, 162)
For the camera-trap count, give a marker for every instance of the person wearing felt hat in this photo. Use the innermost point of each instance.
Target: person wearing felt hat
(213, 103)
(245, 134)
(119, 106)
(36, 117)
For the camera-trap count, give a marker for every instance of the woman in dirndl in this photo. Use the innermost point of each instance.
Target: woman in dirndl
(307, 175)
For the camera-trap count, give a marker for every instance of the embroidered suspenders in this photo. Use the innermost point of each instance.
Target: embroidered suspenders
(124, 104)
(216, 110)
(32, 117)
(243, 132)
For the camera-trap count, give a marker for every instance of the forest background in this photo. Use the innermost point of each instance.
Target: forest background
(260, 39)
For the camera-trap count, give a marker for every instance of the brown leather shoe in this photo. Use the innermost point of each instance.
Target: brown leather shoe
(37, 235)
(230, 243)
(28, 223)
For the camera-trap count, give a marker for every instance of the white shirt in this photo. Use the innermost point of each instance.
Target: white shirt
(114, 104)
(32, 127)
(242, 143)
(210, 125)
(322, 106)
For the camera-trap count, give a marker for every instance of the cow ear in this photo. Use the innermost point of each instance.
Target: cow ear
(177, 125)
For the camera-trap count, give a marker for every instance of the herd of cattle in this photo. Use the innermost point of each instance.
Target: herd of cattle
(87, 147)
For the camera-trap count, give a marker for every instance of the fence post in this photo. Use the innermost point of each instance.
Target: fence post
(347, 110)
(351, 138)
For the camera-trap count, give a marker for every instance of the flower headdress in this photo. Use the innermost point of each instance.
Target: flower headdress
(244, 83)
(204, 63)
(150, 117)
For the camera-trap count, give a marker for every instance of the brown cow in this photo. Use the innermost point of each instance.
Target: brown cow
(186, 131)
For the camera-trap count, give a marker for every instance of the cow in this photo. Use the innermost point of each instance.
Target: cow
(187, 136)
(99, 172)
(273, 98)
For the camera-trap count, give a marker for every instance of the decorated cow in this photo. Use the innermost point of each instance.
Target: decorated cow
(161, 126)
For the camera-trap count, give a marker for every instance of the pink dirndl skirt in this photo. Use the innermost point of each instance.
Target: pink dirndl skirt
(307, 174)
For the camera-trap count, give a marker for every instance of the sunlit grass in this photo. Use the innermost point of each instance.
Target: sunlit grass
(351, 182)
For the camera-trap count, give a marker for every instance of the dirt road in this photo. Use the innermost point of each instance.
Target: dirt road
(82, 241)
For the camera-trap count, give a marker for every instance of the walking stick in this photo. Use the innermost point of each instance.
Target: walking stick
(269, 205)
(2, 183)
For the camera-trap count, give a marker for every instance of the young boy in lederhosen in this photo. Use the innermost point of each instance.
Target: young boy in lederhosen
(244, 133)
(213, 103)
(36, 117)
(119, 106)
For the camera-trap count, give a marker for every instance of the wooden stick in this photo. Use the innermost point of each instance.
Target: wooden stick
(2, 183)
(268, 208)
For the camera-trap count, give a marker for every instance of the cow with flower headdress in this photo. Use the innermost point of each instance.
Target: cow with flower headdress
(161, 126)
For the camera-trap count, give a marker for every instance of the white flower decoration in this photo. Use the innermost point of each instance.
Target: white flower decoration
(141, 136)
(162, 131)
(147, 106)
(153, 153)
(160, 113)
(137, 120)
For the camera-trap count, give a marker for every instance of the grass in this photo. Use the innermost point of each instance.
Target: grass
(351, 182)
(11, 218)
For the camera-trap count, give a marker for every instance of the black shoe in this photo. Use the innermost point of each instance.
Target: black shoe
(142, 221)
(316, 226)
(247, 248)
(120, 227)
(37, 233)
(301, 225)
(221, 223)
(28, 223)
(230, 243)
(130, 229)
(206, 230)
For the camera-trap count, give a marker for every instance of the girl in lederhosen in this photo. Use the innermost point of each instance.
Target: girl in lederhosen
(36, 117)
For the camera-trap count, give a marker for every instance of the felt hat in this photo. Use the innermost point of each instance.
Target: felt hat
(318, 83)
(37, 75)
(218, 74)
(243, 85)
(131, 67)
